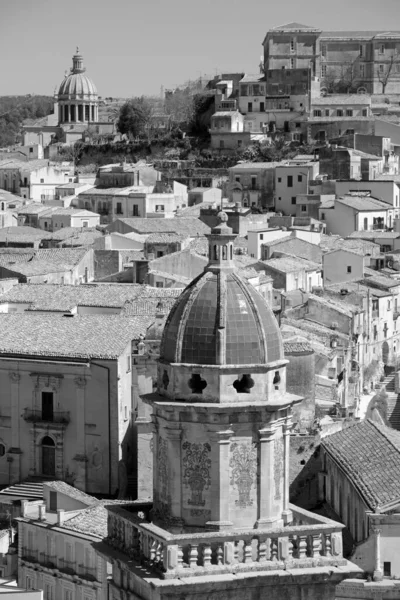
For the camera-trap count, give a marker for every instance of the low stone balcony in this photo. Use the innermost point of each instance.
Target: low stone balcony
(309, 542)
(37, 416)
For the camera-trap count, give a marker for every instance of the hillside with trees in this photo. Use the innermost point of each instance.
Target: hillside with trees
(15, 109)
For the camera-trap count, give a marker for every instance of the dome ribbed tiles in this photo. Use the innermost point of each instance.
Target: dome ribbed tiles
(77, 84)
(250, 331)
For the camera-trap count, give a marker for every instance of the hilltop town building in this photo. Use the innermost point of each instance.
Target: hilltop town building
(360, 61)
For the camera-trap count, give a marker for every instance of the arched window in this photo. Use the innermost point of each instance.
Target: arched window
(215, 252)
(2, 449)
(361, 90)
(231, 247)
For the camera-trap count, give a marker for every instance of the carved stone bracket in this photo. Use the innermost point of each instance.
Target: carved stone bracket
(15, 377)
(80, 382)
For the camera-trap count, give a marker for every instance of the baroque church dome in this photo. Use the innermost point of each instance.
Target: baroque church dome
(77, 84)
(221, 319)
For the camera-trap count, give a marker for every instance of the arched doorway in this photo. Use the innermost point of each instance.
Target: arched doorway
(48, 456)
(385, 353)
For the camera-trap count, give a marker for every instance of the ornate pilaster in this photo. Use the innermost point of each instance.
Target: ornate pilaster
(266, 490)
(287, 514)
(80, 456)
(220, 518)
(174, 437)
(14, 450)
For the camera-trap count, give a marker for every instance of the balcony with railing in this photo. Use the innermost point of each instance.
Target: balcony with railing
(67, 566)
(30, 555)
(48, 560)
(40, 416)
(308, 538)
(88, 573)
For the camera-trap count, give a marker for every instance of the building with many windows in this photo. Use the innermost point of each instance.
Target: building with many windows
(355, 61)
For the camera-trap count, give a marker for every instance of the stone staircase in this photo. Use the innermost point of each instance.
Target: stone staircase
(29, 489)
(393, 402)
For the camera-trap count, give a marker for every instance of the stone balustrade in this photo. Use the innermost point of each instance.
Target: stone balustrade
(310, 541)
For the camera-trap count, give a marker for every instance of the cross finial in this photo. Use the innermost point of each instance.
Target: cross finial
(77, 49)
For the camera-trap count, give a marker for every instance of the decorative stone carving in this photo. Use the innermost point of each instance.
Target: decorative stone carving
(47, 381)
(196, 464)
(243, 464)
(15, 377)
(200, 512)
(278, 467)
(96, 458)
(80, 382)
(162, 467)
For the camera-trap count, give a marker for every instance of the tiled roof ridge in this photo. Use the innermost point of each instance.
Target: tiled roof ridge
(382, 431)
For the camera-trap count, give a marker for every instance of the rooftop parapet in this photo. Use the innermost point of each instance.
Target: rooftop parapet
(309, 541)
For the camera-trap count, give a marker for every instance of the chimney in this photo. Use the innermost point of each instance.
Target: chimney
(60, 516)
(42, 512)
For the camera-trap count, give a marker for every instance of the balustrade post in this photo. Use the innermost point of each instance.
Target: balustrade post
(274, 549)
(220, 554)
(207, 555)
(193, 555)
(327, 544)
(262, 550)
(302, 548)
(247, 551)
(315, 545)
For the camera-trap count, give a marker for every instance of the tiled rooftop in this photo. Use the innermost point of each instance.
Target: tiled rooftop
(290, 264)
(294, 347)
(93, 520)
(369, 454)
(186, 226)
(360, 99)
(23, 234)
(63, 298)
(371, 235)
(364, 203)
(79, 337)
(165, 238)
(72, 492)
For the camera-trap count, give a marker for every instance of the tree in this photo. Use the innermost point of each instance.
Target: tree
(134, 117)
(384, 74)
(180, 106)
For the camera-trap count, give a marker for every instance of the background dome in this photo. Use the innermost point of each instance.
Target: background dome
(216, 300)
(77, 84)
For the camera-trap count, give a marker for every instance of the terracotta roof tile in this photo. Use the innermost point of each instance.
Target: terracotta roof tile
(80, 337)
(369, 454)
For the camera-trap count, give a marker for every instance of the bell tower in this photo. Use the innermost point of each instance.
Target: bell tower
(221, 414)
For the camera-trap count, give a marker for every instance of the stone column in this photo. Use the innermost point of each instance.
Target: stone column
(14, 458)
(378, 575)
(80, 456)
(220, 518)
(266, 490)
(287, 514)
